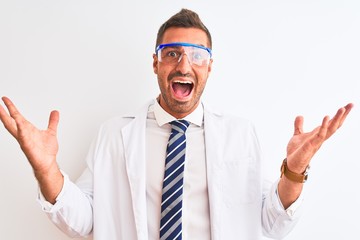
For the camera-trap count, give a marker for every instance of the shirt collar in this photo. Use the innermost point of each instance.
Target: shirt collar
(162, 117)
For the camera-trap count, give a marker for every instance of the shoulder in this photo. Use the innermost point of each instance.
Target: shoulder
(229, 125)
(225, 117)
(117, 123)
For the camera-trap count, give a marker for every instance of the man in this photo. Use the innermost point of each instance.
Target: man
(219, 191)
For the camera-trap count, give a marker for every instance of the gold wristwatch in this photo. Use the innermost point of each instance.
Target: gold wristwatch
(295, 177)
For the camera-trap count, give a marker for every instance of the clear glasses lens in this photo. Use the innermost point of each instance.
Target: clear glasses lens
(174, 54)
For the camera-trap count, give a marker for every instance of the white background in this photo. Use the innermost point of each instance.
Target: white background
(273, 60)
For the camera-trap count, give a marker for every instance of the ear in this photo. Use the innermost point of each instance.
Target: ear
(210, 66)
(155, 63)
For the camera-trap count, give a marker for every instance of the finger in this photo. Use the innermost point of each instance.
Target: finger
(298, 125)
(54, 121)
(3, 116)
(348, 108)
(3, 113)
(339, 118)
(7, 121)
(335, 121)
(321, 136)
(14, 113)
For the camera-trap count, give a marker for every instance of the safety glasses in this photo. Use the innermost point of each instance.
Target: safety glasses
(172, 53)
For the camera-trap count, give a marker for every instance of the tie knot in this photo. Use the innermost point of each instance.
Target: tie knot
(179, 125)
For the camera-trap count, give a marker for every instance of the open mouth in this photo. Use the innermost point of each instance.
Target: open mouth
(182, 89)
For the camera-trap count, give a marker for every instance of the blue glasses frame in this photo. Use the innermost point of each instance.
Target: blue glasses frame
(183, 44)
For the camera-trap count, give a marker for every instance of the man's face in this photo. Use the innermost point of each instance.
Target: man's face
(182, 83)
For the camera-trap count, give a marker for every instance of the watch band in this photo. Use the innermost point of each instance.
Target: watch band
(295, 177)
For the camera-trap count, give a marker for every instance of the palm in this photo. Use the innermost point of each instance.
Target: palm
(296, 142)
(302, 146)
(39, 146)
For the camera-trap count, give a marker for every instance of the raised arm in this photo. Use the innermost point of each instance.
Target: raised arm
(302, 147)
(39, 146)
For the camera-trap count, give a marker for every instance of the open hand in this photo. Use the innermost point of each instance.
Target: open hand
(39, 146)
(302, 146)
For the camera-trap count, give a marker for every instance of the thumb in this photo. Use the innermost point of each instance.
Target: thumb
(54, 121)
(298, 125)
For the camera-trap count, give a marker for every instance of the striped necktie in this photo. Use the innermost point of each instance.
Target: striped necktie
(171, 202)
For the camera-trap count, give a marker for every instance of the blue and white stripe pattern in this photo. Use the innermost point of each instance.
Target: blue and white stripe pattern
(171, 202)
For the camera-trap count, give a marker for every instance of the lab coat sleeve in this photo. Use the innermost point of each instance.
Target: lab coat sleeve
(277, 222)
(72, 212)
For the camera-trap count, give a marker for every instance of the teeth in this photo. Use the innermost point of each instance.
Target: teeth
(183, 82)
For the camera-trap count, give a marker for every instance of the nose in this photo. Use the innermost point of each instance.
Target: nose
(184, 64)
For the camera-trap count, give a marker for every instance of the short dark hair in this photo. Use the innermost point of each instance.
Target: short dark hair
(185, 19)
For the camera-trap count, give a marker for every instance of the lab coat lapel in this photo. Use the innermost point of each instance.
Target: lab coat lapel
(134, 145)
(214, 141)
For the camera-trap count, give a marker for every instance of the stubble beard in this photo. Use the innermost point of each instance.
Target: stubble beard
(179, 107)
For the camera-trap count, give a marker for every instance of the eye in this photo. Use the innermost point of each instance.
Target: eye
(172, 54)
(197, 56)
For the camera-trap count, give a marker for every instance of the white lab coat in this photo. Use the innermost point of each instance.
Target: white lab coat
(110, 196)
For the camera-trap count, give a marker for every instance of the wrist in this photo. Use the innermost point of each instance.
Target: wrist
(296, 168)
(50, 183)
(47, 172)
(292, 175)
